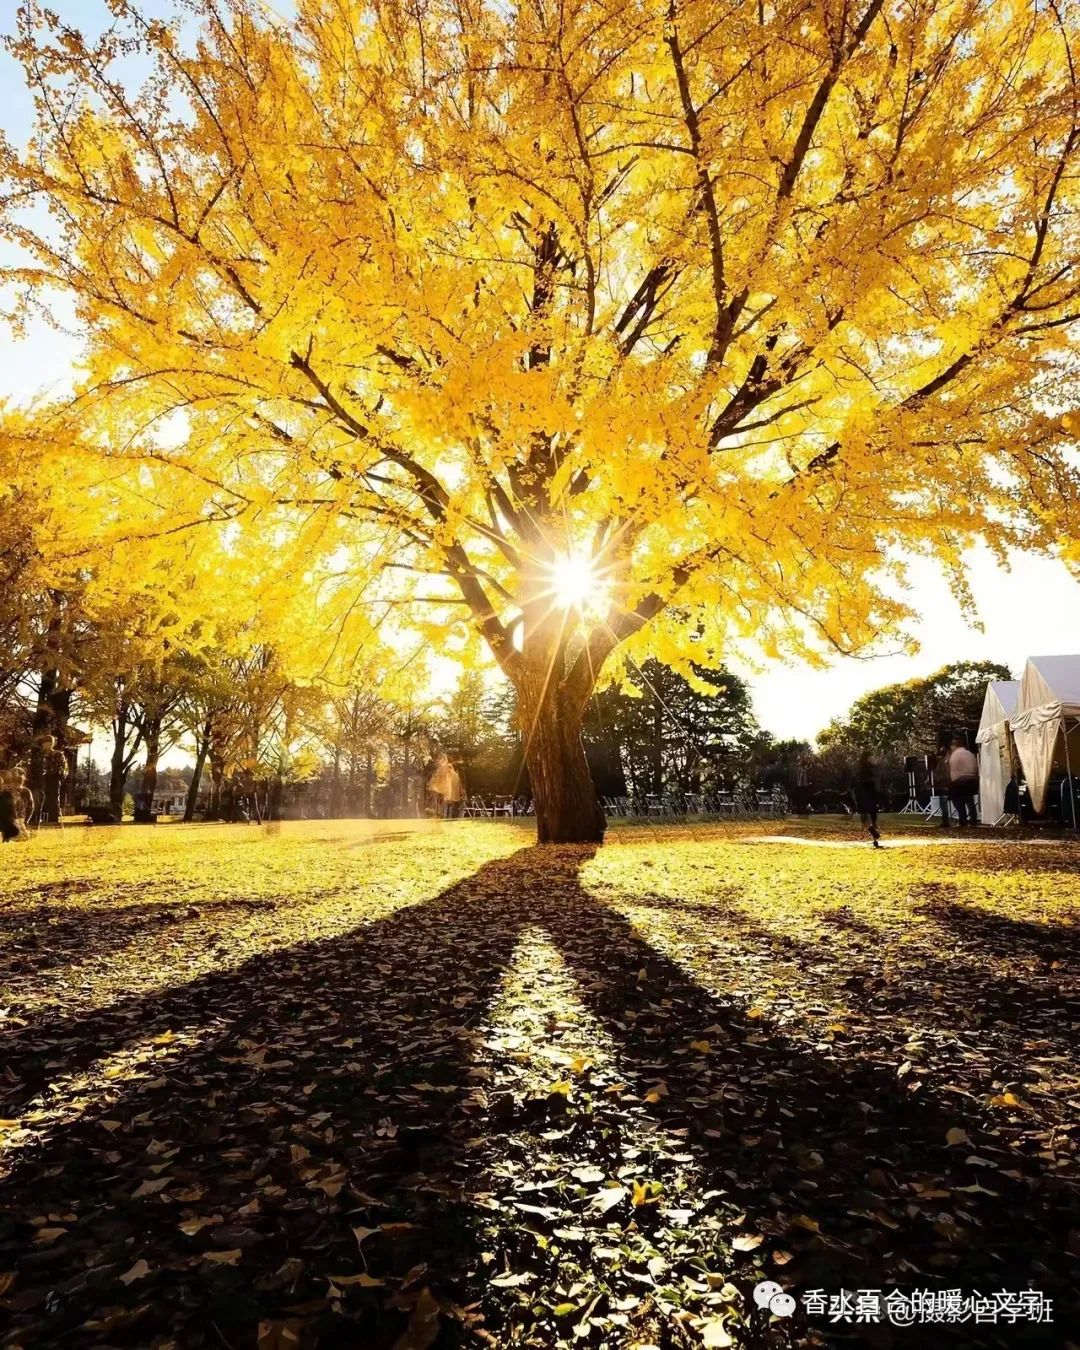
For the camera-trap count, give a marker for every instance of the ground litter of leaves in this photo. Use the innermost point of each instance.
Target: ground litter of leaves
(335, 1085)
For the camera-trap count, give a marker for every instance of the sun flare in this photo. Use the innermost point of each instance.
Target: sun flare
(575, 582)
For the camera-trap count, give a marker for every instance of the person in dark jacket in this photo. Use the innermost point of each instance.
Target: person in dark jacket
(9, 821)
(866, 794)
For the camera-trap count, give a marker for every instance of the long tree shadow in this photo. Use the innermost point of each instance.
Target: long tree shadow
(798, 1137)
(316, 1157)
(35, 938)
(1010, 982)
(978, 930)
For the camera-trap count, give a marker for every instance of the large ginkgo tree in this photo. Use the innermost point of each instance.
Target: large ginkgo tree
(637, 324)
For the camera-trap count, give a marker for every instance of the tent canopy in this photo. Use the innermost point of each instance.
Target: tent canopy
(999, 704)
(995, 759)
(1051, 679)
(1046, 723)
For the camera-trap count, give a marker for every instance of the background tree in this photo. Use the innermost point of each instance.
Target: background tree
(132, 686)
(478, 730)
(917, 716)
(675, 315)
(22, 593)
(159, 692)
(789, 764)
(358, 724)
(671, 732)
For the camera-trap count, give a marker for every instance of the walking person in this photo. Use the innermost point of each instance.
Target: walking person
(440, 782)
(866, 793)
(454, 794)
(24, 798)
(963, 783)
(54, 772)
(12, 825)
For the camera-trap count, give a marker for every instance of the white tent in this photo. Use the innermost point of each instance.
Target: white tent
(1046, 723)
(995, 757)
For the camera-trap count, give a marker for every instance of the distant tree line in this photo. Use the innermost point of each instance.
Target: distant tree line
(263, 744)
(914, 719)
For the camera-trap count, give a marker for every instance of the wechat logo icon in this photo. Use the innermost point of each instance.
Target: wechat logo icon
(768, 1294)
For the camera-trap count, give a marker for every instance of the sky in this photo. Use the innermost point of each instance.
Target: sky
(1031, 609)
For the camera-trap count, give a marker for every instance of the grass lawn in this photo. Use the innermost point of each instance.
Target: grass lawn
(408, 1085)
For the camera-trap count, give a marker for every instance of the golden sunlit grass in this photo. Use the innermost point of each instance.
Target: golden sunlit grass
(217, 895)
(256, 889)
(621, 1083)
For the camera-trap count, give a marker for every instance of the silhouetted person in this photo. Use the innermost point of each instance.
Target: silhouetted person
(440, 784)
(866, 793)
(963, 782)
(454, 794)
(54, 773)
(24, 798)
(9, 828)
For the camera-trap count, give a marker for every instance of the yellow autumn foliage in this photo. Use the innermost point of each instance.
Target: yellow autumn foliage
(738, 305)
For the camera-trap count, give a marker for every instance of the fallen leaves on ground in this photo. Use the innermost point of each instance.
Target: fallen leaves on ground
(325, 1087)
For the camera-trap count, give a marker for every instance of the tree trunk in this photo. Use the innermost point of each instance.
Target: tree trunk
(334, 811)
(406, 770)
(48, 765)
(118, 769)
(657, 746)
(567, 809)
(201, 749)
(149, 775)
(213, 807)
(351, 807)
(42, 727)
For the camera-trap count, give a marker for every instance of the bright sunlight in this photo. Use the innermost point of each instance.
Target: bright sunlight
(576, 584)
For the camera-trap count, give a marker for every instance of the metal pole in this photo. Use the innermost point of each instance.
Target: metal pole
(1068, 771)
(1016, 768)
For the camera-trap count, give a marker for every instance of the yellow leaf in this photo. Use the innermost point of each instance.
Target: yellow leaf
(645, 1193)
(193, 1226)
(138, 1271)
(279, 1335)
(151, 1187)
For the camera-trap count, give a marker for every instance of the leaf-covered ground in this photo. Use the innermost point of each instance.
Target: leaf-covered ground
(329, 1086)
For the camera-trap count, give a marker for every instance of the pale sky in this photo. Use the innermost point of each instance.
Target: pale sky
(1033, 609)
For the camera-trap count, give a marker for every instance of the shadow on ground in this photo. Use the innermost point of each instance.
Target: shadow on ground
(342, 1086)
